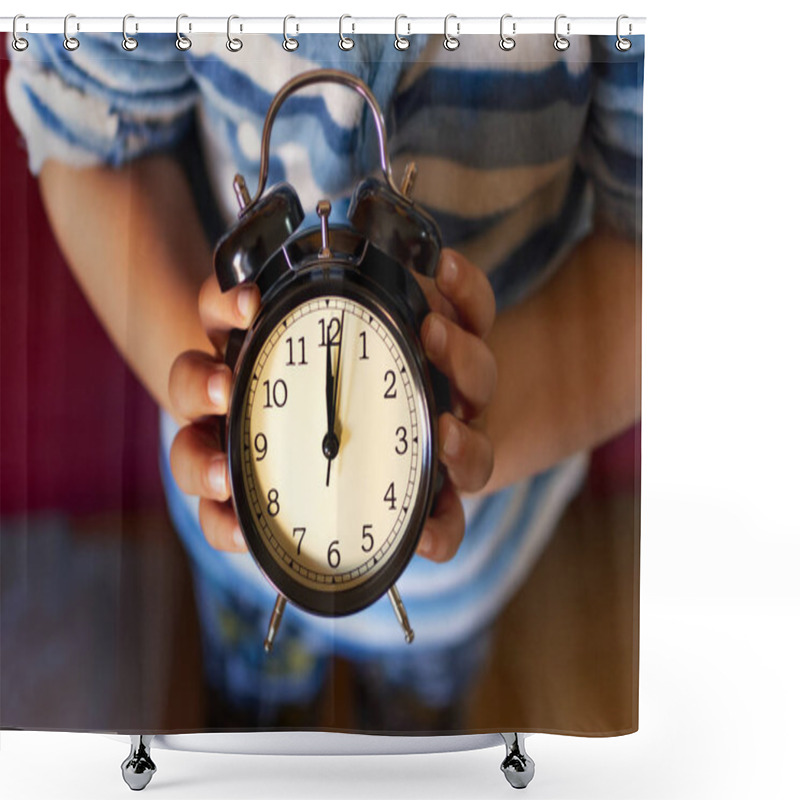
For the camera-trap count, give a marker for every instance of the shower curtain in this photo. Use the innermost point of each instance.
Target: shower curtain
(119, 609)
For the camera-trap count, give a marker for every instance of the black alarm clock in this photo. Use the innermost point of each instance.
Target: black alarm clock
(331, 434)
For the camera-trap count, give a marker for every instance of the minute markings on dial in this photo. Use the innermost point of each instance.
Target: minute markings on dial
(273, 531)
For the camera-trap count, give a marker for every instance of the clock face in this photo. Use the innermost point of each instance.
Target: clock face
(334, 444)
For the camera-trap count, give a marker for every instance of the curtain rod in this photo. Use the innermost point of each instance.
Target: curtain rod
(459, 26)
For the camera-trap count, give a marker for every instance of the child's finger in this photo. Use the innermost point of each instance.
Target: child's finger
(222, 311)
(444, 529)
(198, 465)
(465, 360)
(199, 385)
(469, 291)
(220, 526)
(436, 301)
(466, 452)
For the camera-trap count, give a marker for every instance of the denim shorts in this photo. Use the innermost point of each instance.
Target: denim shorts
(413, 689)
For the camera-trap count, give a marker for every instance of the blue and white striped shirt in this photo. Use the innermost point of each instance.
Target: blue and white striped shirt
(517, 151)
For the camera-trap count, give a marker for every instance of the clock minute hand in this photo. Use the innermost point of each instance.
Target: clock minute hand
(336, 381)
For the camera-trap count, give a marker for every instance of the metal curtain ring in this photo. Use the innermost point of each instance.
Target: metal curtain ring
(70, 42)
(128, 42)
(400, 42)
(345, 42)
(18, 43)
(181, 42)
(451, 42)
(233, 44)
(289, 44)
(623, 44)
(560, 42)
(507, 42)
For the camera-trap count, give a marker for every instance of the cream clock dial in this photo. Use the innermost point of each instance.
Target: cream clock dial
(331, 510)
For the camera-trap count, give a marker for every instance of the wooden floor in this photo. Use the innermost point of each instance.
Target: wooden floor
(76, 653)
(567, 645)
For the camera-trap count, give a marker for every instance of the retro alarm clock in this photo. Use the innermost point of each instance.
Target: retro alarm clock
(331, 434)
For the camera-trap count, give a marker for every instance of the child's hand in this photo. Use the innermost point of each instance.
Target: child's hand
(199, 390)
(453, 336)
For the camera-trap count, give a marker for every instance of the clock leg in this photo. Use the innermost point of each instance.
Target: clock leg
(400, 613)
(517, 766)
(274, 622)
(138, 768)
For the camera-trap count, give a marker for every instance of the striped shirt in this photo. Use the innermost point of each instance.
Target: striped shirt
(517, 152)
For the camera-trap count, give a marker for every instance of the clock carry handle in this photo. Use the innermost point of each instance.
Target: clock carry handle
(308, 79)
(379, 210)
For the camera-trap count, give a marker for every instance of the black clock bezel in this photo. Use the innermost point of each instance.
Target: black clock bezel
(340, 278)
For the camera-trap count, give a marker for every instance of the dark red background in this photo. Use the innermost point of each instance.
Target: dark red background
(77, 430)
(78, 433)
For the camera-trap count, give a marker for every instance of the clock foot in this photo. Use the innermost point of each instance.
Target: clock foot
(138, 768)
(400, 613)
(517, 766)
(274, 622)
